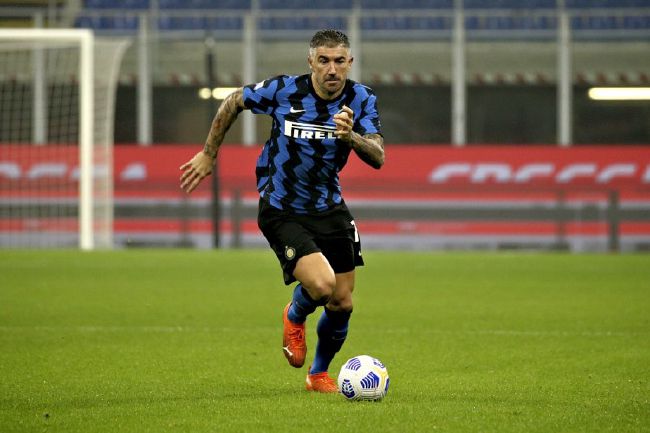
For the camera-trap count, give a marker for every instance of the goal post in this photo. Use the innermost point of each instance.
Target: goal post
(57, 93)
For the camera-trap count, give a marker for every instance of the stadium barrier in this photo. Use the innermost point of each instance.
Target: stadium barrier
(425, 197)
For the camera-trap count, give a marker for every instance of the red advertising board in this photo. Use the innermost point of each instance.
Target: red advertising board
(486, 174)
(411, 167)
(512, 166)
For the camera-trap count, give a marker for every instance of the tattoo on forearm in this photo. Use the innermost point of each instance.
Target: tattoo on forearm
(370, 148)
(225, 117)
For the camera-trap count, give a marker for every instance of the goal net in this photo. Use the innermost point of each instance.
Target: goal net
(57, 96)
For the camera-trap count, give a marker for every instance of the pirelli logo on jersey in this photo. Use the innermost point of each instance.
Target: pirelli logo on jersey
(308, 131)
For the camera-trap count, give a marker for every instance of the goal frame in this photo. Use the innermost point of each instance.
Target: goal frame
(85, 39)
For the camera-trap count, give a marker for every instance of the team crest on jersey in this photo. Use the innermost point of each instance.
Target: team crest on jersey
(308, 131)
(289, 252)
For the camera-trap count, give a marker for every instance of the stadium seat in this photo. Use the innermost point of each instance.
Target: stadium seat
(126, 23)
(301, 23)
(135, 4)
(116, 4)
(305, 4)
(406, 23)
(600, 4)
(102, 4)
(603, 23)
(225, 4)
(224, 23)
(181, 23)
(636, 22)
(95, 23)
(84, 22)
(407, 4)
(509, 4)
(172, 4)
(205, 4)
(171, 23)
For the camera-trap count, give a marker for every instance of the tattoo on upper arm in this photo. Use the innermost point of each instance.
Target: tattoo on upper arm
(225, 117)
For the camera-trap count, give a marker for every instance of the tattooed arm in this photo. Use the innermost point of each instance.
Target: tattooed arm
(369, 147)
(225, 117)
(200, 166)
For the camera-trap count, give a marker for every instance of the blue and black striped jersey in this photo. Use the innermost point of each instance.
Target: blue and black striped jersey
(299, 164)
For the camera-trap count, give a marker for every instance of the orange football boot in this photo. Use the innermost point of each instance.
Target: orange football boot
(294, 345)
(321, 382)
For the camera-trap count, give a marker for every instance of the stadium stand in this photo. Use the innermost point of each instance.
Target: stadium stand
(481, 15)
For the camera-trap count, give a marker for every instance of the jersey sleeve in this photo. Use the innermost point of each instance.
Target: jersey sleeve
(260, 98)
(368, 121)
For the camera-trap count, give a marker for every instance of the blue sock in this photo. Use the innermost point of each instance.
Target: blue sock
(302, 305)
(332, 330)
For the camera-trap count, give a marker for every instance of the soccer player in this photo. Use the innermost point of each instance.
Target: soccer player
(318, 119)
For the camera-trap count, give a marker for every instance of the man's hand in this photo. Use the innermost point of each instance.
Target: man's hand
(195, 170)
(344, 121)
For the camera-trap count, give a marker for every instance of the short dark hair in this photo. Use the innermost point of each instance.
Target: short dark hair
(329, 38)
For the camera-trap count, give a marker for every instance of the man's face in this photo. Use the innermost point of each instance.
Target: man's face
(330, 67)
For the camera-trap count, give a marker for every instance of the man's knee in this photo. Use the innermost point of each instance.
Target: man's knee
(321, 288)
(342, 298)
(341, 301)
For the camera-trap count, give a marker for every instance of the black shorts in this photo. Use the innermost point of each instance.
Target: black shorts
(292, 236)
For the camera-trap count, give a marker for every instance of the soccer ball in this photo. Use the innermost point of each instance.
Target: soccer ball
(363, 378)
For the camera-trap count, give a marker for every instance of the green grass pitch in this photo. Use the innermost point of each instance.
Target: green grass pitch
(183, 340)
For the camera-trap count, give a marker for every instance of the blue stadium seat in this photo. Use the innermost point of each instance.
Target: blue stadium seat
(305, 4)
(547, 22)
(407, 4)
(117, 4)
(610, 23)
(95, 23)
(603, 23)
(135, 4)
(199, 23)
(576, 23)
(509, 4)
(172, 4)
(526, 22)
(499, 23)
(301, 23)
(205, 4)
(472, 23)
(224, 23)
(636, 22)
(229, 4)
(600, 4)
(126, 23)
(103, 4)
(403, 23)
(84, 22)
(181, 23)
